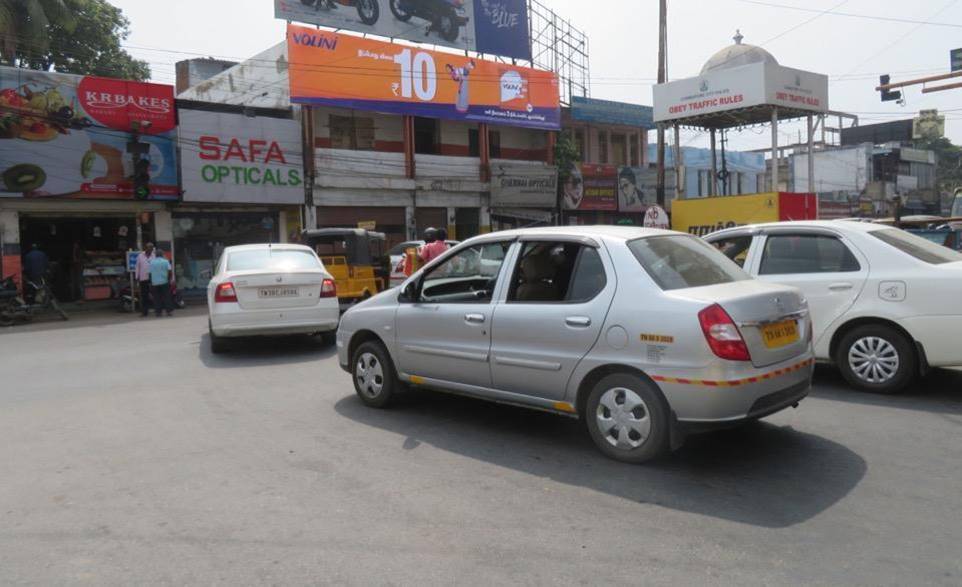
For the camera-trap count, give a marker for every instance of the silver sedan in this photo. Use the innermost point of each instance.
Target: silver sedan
(645, 335)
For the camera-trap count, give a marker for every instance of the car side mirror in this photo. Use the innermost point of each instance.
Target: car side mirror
(409, 292)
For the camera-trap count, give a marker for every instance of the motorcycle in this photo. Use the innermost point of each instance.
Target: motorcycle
(446, 16)
(37, 298)
(128, 301)
(367, 10)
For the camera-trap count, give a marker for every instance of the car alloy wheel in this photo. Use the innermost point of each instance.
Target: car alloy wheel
(873, 359)
(369, 374)
(623, 418)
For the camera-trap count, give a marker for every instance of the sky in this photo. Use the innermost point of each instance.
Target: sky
(623, 35)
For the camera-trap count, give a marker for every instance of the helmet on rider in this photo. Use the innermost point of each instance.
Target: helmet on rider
(430, 235)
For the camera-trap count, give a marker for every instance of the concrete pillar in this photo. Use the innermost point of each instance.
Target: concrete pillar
(10, 265)
(409, 222)
(282, 226)
(774, 149)
(452, 223)
(484, 219)
(164, 231)
(714, 167)
(679, 171)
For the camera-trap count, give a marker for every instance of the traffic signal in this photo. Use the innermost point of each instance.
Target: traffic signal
(888, 95)
(142, 178)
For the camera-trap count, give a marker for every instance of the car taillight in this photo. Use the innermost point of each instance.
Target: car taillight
(328, 289)
(722, 335)
(225, 293)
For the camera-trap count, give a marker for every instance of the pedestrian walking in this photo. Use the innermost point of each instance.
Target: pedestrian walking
(160, 283)
(142, 274)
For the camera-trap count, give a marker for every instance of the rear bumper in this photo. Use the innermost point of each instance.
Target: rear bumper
(230, 322)
(756, 394)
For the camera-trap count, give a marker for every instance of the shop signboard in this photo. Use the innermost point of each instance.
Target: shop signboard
(331, 69)
(591, 187)
(701, 216)
(532, 186)
(232, 158)
(67, 136)
(610, 112)
(494, 27)
(740, 87)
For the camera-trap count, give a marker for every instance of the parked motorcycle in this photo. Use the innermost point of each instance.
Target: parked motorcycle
(37, 299)
(127, 299)
(367, 10)
(446, 16)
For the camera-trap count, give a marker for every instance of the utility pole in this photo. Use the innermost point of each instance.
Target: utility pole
(662, 78)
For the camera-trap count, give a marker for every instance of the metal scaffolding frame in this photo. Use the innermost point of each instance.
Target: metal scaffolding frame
(558, 46)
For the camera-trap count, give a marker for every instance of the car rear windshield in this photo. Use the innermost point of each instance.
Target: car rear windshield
(916, 246)
(272, 260)
(678, 262)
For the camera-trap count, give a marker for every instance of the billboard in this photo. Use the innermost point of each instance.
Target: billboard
(754, 84)
(702, 216)
(638, 188)
(330, 69)
(66, 135)
(609, 112)
(514, 184)
(591, 187)
(495, 27)
(232, 158)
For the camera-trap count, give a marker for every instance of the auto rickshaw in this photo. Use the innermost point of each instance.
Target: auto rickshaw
(354, 257)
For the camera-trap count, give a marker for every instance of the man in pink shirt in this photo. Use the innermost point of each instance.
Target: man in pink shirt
(433, 248)
(142, 274)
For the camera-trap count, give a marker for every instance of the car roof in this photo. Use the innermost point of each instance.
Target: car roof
(831, 225)
(259, 246)
(619, 233)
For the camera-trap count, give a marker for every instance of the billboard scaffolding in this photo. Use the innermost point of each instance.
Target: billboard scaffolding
(558, 46)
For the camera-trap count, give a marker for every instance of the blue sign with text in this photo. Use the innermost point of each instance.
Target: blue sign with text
(609, 112)
(501, 28)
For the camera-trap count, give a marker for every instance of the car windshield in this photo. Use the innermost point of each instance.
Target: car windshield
(272, 259)
(678, 262)
(916, 246)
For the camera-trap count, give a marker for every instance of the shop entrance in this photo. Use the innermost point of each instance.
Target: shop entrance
(200, 238)
(87, 255)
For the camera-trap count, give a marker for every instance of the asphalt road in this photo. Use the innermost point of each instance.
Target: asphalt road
(129, 455)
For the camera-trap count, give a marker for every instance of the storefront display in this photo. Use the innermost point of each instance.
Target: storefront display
(200, 238)
(87, 255)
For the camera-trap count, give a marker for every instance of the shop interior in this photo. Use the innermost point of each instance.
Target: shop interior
(87, 255)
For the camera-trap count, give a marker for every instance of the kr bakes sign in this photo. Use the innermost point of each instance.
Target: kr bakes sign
(119, 104)
(233, 158)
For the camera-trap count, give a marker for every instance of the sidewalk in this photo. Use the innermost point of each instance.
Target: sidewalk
(95, 314)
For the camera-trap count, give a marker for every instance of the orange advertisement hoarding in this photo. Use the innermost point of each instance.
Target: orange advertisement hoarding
(331, 69)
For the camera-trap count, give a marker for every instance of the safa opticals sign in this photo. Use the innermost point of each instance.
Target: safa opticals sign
(66, 135)
(232, 158)
(329, 69)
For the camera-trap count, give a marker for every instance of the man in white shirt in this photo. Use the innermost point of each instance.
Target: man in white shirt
(142, 274)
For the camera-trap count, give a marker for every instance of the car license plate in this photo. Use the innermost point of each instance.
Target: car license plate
(780, 334)
(277, 292)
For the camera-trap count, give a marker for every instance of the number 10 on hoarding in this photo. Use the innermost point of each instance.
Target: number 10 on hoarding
(419, 75)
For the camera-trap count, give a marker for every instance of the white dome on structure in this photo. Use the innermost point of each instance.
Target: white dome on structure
(737, 55)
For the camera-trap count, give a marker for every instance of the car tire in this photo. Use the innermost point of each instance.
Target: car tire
(628, 419)
(375, 379)
(876, 358)
(218, 344)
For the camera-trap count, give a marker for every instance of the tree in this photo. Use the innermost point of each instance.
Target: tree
(948, 171)
(87, 43)
(25, 26)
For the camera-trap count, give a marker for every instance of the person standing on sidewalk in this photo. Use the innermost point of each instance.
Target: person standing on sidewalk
(160, 283)
(142, 274)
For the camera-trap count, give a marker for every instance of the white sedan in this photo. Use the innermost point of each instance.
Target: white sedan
(270, 289)
(886, 304)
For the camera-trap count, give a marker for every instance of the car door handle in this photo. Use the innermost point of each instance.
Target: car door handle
(841, 286)
(578, 321)
(474, 318)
